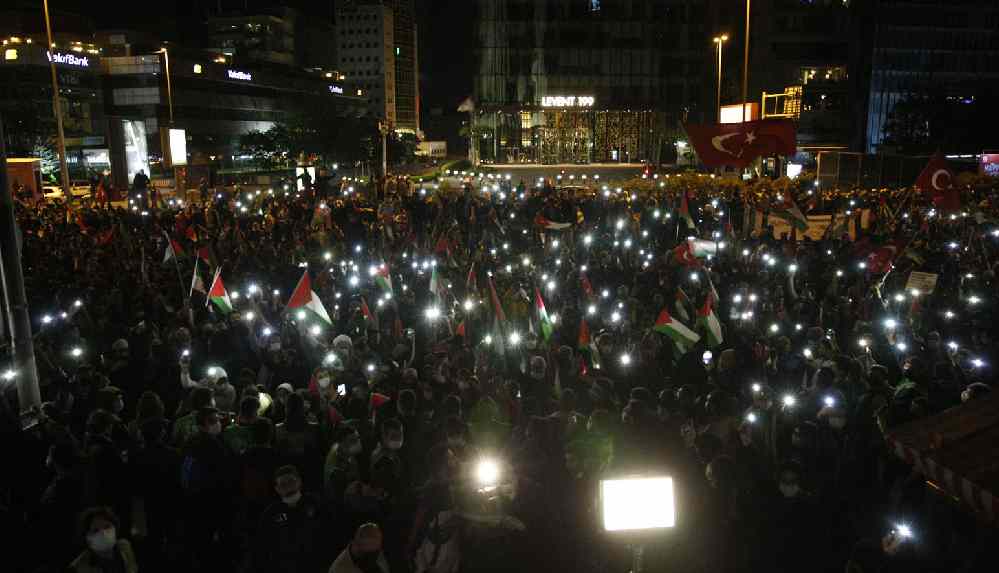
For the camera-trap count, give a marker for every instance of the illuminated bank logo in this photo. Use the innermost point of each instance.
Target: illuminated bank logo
(336, 89)
(69, 59)
(238, 75)
(567, 101)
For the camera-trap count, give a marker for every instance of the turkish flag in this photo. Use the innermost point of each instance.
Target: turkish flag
(938, 180)
(738, 144)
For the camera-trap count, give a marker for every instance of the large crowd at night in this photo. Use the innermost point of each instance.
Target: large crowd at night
(436, 379)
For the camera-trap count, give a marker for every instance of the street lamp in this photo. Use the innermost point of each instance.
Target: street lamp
(57, 109)
(719, 41)
(745, 65)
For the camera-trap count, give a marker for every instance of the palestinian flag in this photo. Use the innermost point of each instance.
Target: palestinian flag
(682, 302)
(384, 278)
(173, 250)
(546, 223)
(681, 335)
(685, 211)
(546, 324)
(197, 285)
(205, 254)
(218, 296)
(706, 317)
(497, 307)
(684, 254)
(435, 283)
(586, 344)
(471, 284)
(305, 298)
(191, 234)
(790, 212)
(586, 286)
(365, 311)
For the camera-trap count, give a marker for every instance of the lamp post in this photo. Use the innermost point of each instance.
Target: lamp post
(745, 65)
(57, 109)
(719, 41)
(166, 62)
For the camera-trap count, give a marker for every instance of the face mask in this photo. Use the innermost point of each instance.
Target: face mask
(292, 499)
(323, 382)
(103, 540)
(790, 490)
(393, 445)
(837, 422)
(215, 429)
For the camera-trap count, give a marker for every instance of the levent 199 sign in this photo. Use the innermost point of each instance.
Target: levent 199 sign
(567, 101)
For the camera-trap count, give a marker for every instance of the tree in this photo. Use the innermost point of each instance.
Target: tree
(314, 135)
(26, 128)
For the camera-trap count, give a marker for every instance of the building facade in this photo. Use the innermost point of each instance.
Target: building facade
(944, 49)
(366, 53)
(581, 81)
(377, 51)
(26, 96)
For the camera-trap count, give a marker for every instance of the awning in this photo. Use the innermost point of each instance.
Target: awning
(958, 451)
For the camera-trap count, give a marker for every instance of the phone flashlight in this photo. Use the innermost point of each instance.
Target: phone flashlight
(341, 390)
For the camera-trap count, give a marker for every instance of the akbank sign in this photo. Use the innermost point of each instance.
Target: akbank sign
(69, 59)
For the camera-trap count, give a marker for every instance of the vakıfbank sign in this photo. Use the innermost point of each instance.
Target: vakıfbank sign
(69, 59)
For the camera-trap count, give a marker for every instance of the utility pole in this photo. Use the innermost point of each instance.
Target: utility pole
(15, 301)
(57, 109)
(745, 65)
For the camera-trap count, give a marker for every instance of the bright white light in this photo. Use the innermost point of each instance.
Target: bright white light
(949, 315)
(637, 504)
(626, 359)
(526, 261)
(863, 342)
(592, 309)
(249, 316)
(46, 319)
(315, 330)
(901, 346)
(76, 352)
(268, 331)
(752, 298)
(899, 297)
(978, 363)
(839, 273)
(903, 530)
(862, 265)
(751, 418)
(433, 313)
(952, 345)
(551, 285)
(487, 472)
(789, 401)
(737, 298)
(756, 387)
(468, 305)
(890, 323)
(793, 268)
(807, 353)
(973, 299)
(78, 303)
(774, 328)
(9, 375)
(829, 401)
(514, 338)
(615, 316)
(327, 255)
(587, 239)
(488, 340)
(354, 281)
(693, 277)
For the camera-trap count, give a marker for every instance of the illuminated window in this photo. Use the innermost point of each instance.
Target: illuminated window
(10, 54)
(197, 68)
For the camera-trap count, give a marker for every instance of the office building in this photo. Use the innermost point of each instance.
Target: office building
(942, 50)
(366, 56)
(566, 81)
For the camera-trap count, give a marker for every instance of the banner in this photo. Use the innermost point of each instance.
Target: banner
(817, 225)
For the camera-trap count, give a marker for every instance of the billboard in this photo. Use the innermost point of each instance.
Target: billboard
(136, 150)
(733, 113)
(989, 164)
(178, 147)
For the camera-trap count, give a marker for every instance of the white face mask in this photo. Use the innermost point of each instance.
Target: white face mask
(790, 490)
(102, 541)
(292, 499)
(323, 382)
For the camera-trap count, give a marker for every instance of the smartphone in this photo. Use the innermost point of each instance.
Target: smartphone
(341, 390)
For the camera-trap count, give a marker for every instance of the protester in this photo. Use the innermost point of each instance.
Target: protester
(384, 352)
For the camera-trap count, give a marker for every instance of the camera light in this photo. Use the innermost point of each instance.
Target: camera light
(315, 330)
(807, 352)
(751, 418)
(592, 309)
(300, 315)
(756, 387)
(514, 338)
(433, 313)
(625, 359)
(267, 331)
(487, 472)
(789, 400)
(829, 401)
